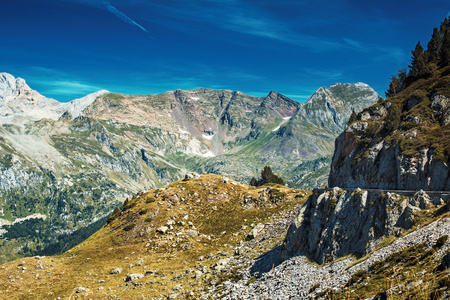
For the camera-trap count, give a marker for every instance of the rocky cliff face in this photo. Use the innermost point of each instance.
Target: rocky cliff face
(401, 143)
(339, 222)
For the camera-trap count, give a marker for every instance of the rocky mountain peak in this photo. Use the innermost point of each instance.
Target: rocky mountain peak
(19, 103)
(273, 94)
(331, 107)
(11, 87)
(321, 94)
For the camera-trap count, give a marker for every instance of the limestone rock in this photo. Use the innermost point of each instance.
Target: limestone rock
(81, 289)
(116, 271)
(198, 274)
(134, 276)
(192, 233)
(420, 199)
(255, 231)
(221, 263)
(441, 107)
(162, 229)
(325, 226)
(362, 159)
(191, 175)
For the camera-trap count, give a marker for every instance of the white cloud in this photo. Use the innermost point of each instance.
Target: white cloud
(54, 83)
(122, 16)
(323, 74)
(70, 88)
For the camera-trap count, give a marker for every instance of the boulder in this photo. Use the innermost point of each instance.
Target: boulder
(198, 274)
(134, 276)
(192, 233)
(162, 229)
(81, 289)
(191, 175)
(445, 263)
(420, 200)
(255, 231)
(116, 271)
(221, 263)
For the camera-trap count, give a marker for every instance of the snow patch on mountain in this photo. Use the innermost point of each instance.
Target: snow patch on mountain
(184, 131)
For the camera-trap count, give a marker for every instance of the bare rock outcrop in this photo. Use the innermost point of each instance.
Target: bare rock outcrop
(334, 223)
(407, 158)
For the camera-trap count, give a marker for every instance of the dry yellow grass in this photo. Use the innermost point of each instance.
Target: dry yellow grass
(216, 209)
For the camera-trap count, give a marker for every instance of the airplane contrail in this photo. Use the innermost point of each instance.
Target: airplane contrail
(122, 16)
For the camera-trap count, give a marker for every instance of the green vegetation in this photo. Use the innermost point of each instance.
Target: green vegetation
(314, 287)
(128, 204)
(114, 215)
(143, 211)
(402, 275)
(357, 277)
(129, 227)
(392, 119)
(411, 121)
(267, 176)
(68, 241)
(425, 63)
(150, 200)
(251, 280)
(441, 241)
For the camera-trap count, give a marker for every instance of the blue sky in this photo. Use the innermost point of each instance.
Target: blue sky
(66, 49)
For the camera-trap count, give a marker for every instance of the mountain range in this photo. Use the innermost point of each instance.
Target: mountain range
(379, 231)
(66, 166)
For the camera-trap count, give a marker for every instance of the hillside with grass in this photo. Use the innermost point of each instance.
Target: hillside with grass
(208, 236)
(402, 142)
(181, 240)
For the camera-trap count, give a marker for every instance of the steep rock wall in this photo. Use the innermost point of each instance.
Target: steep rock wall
(383, 166)
(338, 222)
(409, 153)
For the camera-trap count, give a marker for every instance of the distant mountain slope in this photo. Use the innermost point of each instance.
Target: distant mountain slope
(68, 165)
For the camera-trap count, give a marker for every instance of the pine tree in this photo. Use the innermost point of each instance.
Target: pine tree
(418, 62)
(434, 47)
(392, 119)
(445, 48)
(444, 25)
(267, 176)
(397, 84)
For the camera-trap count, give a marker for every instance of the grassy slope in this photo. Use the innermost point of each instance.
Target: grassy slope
(429, 132)
(215, 208)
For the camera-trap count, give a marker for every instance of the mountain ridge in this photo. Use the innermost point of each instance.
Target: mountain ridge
(95, 152)
(21, 104)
